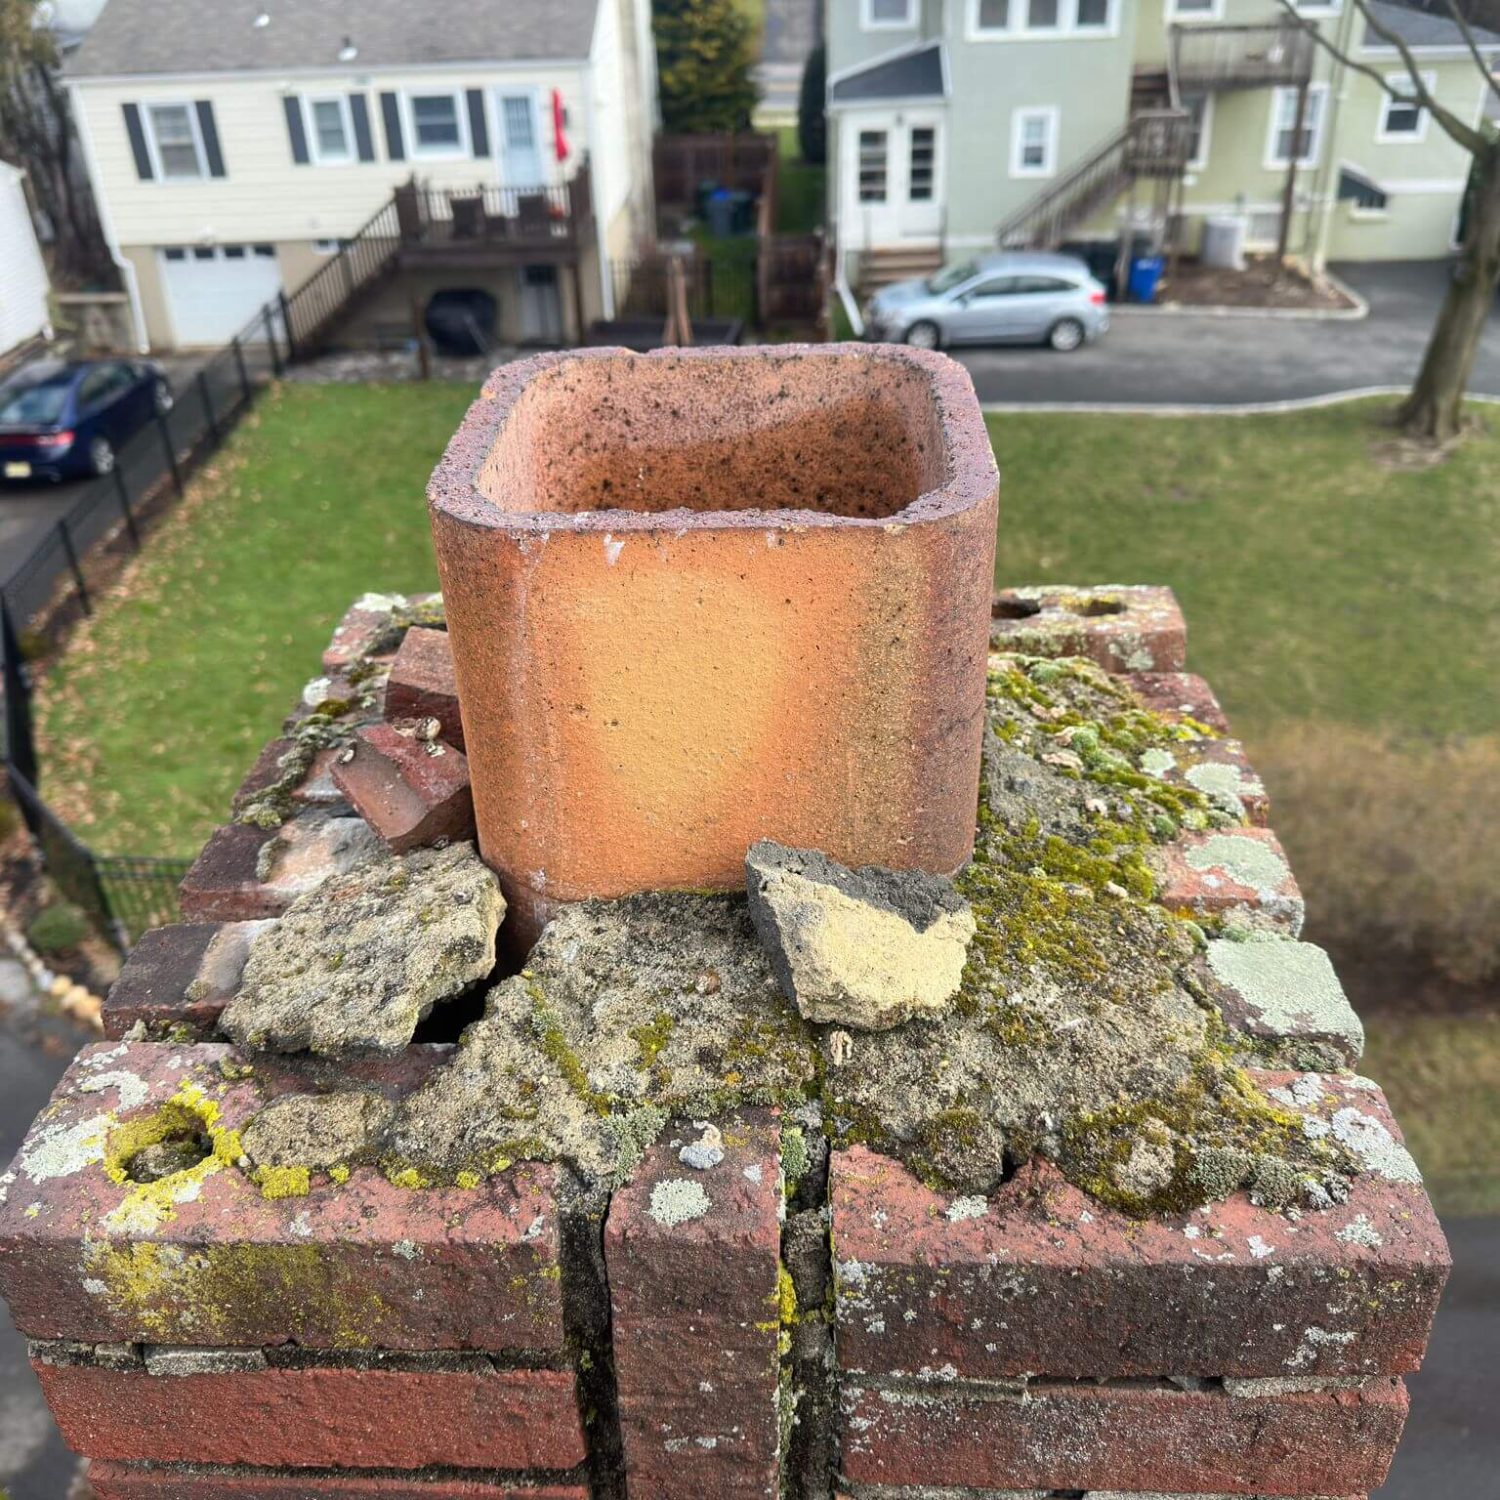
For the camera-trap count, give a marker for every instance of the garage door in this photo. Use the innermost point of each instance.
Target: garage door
(214, 291)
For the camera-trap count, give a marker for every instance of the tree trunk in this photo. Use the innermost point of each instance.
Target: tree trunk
(1434, 409)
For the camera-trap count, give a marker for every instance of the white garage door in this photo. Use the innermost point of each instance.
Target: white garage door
(214, 291)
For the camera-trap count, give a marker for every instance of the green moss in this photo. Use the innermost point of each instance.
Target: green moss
(794, 1157)
(283, 1182)
(652, 1036)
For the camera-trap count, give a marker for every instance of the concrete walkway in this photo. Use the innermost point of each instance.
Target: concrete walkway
(1167, 358)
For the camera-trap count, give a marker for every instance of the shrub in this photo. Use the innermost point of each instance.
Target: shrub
(1396, 846)
(703, 59)
(58, 928)
(812, 122)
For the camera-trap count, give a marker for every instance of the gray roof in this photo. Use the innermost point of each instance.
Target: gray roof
(1422, 28)
(910, 75)
(220, 36)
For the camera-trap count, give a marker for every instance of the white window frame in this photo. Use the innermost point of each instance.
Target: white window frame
(1323, 8)
(1387, 137)
(1053, 117)
(310, 129)
(414, 148)
(1014, 31)
(869, 22)
(1205, 136)
(148, 123)
(1272, 161)
(1215, 12)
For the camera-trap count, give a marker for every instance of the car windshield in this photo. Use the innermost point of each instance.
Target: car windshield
(951, 276)
(36, 405)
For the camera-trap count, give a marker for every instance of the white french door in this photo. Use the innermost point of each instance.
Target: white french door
(893, 171)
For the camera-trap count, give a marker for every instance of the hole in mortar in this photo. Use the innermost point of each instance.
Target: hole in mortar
(1093, 608)
(179, 1152)
(1014, 609)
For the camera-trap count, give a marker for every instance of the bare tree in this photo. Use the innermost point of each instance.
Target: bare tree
(1433, 409)
(36, 133)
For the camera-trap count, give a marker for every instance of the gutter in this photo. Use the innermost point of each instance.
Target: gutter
(123, 263)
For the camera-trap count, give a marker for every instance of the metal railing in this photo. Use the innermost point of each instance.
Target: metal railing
(323, 298)
(494, 218)
(1152, 144)
(1210, 58)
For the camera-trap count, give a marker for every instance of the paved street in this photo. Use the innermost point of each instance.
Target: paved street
(1189, 358)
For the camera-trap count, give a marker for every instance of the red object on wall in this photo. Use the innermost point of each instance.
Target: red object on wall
(559, 126)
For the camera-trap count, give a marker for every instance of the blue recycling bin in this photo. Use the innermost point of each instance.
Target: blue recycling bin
(1145, 277)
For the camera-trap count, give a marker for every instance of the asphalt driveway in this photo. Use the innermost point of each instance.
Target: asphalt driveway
(1170, 358)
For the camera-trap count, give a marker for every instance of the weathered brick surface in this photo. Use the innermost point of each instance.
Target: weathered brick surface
(246, 873)
(1221, 770)
(1122, 629)
(422, 684)
(115, 1481)
(179, 977)
(410, 792)
(1043, 1279)
(311, 1418)
(1180, 695)
(1241, 870)
(359, 1265)
(693, 1258)
(1134, 1437)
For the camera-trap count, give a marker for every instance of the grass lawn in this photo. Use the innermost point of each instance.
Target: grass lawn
(155, 715)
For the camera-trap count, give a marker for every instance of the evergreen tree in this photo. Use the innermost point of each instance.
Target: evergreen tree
(812, 123)
(704, 55)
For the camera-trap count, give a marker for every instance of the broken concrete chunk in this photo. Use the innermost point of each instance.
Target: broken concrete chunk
(866, 948)
(410, 787)
(318, 1130)
(357, 963)
(1287, 994)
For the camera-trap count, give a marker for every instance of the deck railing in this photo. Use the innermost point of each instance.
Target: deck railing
(1210, 58)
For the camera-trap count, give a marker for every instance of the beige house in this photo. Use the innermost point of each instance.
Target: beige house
(236, 145)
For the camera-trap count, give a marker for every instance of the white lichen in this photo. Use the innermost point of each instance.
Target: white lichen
(678, 1200)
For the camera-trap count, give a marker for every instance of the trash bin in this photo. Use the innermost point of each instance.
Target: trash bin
(721, 213)
(1145, 276)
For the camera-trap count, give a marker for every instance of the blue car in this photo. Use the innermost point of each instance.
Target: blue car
(65, 420)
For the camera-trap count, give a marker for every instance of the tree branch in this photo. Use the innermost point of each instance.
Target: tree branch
(1470, 40)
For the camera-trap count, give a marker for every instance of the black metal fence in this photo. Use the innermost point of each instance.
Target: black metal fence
(715, 288)
(122, 894)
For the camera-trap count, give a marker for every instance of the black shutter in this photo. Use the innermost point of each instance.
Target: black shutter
(210, 133)
(292, 104)
(390, 111)
(137, 133)
(364, 142)
(479, 127)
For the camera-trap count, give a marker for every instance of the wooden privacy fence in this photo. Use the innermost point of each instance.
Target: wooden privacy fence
(745, 163)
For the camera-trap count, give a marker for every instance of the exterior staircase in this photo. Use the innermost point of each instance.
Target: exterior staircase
(888, 263)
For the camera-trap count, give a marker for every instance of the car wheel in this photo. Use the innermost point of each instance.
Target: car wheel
(1066, 335)
(101, 457)
(923, 335)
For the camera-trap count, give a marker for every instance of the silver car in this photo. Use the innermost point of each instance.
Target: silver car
(1007, 297)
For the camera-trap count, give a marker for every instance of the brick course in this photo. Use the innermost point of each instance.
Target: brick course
(114, 1481)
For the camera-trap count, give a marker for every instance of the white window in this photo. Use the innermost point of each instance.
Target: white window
(1200, 108)
(1318, 7)
(1040, 18)
(1404, 119)
(1033, 142)
(330, 131)
(888, 15)
(175, 142)
(1284, 125)
(437, 125)
(872, 166)
(1194, 10)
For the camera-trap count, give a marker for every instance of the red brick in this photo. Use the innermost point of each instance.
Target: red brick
(1222, 771)
(1153, 1438)
(422, 684)
(411, 793)
(1179, 695)
(1047, 1280)
(112, 1481)
(696, 1318)
(225, 883)
(179, 977)
(361, 1265)
(1230, 870)
(479, 1418)
(1122, 629)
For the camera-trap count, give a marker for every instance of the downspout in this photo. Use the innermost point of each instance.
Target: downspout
(122, 263)
(1325, 195)
(601, 242)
